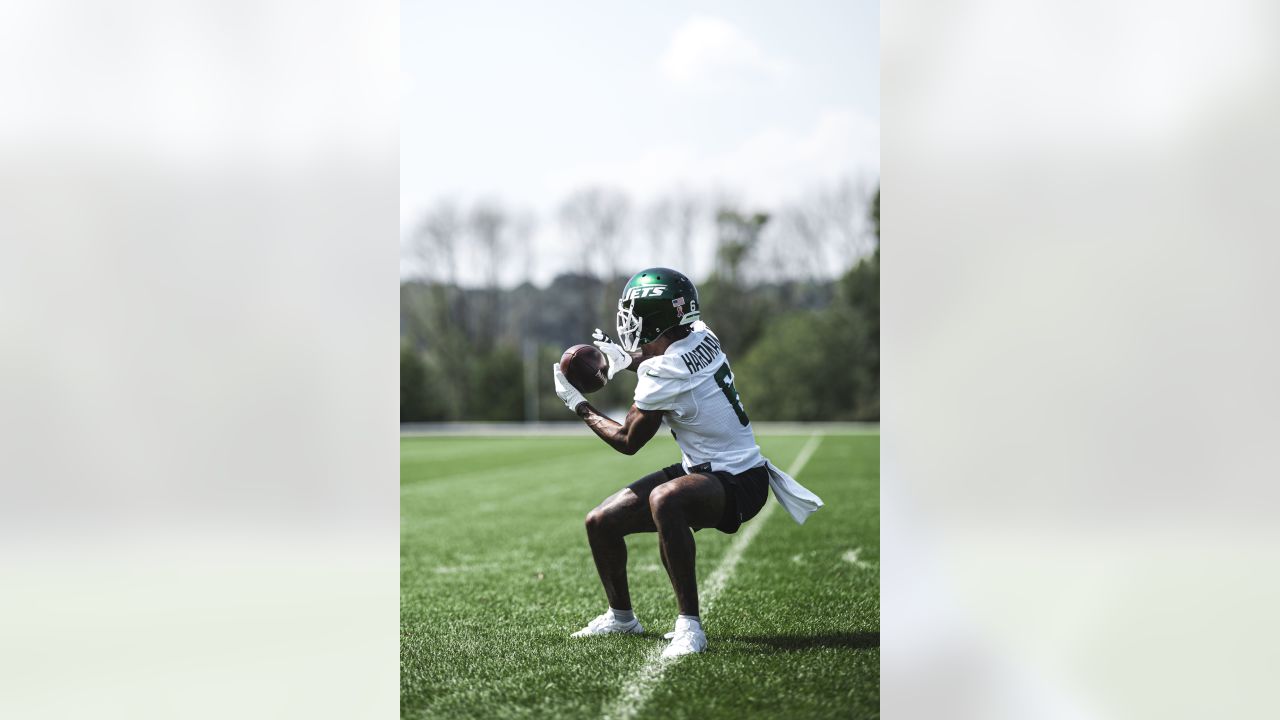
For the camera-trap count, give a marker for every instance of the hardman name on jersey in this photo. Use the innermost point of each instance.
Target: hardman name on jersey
(701, 356)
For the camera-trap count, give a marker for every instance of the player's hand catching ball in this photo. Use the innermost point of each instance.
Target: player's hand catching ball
(619, 359)
(564, 390)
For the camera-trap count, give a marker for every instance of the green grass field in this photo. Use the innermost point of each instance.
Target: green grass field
(496, 572)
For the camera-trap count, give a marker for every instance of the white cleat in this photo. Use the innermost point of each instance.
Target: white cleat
(685, 641)
(606, 625)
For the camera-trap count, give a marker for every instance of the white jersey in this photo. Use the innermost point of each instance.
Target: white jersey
(693, 385)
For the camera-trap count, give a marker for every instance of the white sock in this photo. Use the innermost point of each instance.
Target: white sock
(691, 622)
(622, 615)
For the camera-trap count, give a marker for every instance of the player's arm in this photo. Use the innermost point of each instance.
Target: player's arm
(627, 437)
(638, 428)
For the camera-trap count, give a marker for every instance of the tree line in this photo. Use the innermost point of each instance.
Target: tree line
(803, 336)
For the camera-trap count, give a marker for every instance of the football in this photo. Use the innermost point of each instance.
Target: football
(585, 367)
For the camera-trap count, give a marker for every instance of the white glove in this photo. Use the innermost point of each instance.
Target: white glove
(618, 358)
(567, 392)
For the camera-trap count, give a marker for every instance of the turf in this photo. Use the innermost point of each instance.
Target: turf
(495, 574)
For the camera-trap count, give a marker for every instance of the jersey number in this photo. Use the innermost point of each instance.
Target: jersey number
(724, 378)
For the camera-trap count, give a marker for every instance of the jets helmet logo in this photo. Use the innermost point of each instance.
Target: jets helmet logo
(644, 291)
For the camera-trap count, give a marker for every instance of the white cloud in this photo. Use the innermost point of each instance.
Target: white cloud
(776, 165)
(768, 168)
(708, 49)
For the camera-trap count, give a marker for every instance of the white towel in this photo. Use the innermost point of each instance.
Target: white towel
(796, 498)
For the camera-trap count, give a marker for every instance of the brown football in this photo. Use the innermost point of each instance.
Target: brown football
(585, 367)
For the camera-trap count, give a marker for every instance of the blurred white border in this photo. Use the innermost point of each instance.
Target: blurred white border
(1079, 353)
(198, 265)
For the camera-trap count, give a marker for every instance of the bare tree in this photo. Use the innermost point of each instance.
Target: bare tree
(737, 237)
(524, 225)
(797, 242)
(596, 218)
(823, 233)
(438, 312)
(688, 213)
(523, 228)
(435, 242)
(488, 228)
(596, 221)
(844, 209)
(659, 225)
(671, 224)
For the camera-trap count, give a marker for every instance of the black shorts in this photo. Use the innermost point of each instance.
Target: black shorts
(744, 493)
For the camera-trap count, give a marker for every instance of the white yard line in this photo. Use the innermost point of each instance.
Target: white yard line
(636, 692)
(851, 556)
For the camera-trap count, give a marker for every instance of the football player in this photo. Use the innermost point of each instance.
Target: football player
(722, 479)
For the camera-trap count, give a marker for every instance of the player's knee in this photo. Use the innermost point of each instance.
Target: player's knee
(663, 500)
(597, 521)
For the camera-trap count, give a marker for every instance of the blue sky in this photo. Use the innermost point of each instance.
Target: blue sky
(527, 101)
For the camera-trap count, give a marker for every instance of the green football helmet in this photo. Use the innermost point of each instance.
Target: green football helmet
(653, 301)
